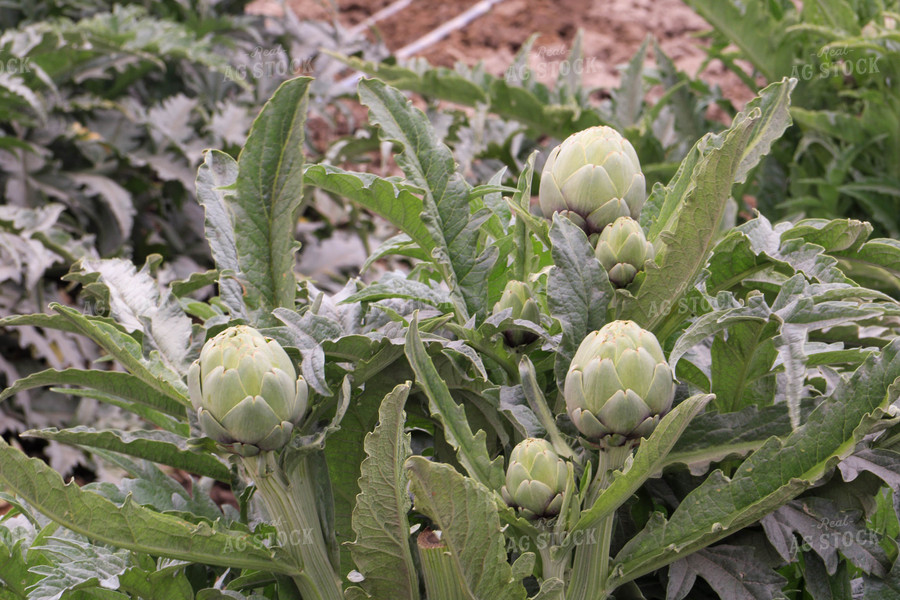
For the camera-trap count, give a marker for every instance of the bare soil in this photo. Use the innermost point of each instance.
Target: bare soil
(613, 31)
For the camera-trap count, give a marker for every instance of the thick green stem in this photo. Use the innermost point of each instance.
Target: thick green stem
(547, 539)
(553, 568)
(442, 580)
(591, 568)
(291, 503)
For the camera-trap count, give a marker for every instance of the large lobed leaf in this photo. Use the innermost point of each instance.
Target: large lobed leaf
(695, 201)
(466, 514)
(777, 472)
(129, 526)
(429, 165)
(122, 385)
(137, 303)
(157, 446)
(268, 191)
(471, 448)
(648, 460)
(381, 551)
(215, 177)
(578, 289)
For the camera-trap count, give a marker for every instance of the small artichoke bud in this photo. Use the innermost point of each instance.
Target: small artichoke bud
(517, 296)
(593, 177)
(535, 479)
(622, 250)
(245, 390)
(619, 385)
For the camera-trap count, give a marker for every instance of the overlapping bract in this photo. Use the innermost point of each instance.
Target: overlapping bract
(593, 177)
(245, 390)
(535, 479)
(517, 297)
(619, 384)
(622, 250)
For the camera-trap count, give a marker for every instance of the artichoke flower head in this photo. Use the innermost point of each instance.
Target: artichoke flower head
(535, 479)
(246, 391)
(518, 298)
(593, 177)
(619, 385)
(622, 250)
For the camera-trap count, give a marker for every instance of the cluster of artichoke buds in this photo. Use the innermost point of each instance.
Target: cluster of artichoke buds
(246, 391)
(535, 479)
(593, 177)
(619, 385)
(517, 297)
(622, 250)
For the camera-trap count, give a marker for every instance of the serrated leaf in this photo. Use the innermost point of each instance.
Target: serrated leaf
(689, 239)
(713, 436)
(529, 106)
(454, 503)
(156, 446)
(648, 460)
(393, 285)
(429, 165)
(215, 180)
(772, 475)
(76, 566)
(731, 571)
(578, 289)
(471, 448)
(307, 333)
(127, 351)
(881, 462)
(345, 452)
(136, 303)
(268, 192)
(386, 198)
(116, 198)
(829, 531)
(129, 526)
(381, 551)
(123, 385)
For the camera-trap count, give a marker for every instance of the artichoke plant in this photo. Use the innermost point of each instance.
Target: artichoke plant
(517, 297)
(619, 385)
(593, 177)
(622, 250)
(535, 479)
(246, 391)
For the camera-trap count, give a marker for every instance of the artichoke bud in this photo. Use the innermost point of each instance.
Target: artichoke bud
(535, 479)
(246, 391)
(517, 297)
(622, 250)
(619, 385)
(593, 177)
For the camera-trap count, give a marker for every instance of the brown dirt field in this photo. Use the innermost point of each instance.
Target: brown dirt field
(613, 31)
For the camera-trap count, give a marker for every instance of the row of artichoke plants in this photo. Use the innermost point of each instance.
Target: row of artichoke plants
(618, 395)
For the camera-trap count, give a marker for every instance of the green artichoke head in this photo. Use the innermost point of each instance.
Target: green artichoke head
(535, 479)
(517, 297)
(622, 250)
(619, 385)
(593, 177)
(245, 390)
